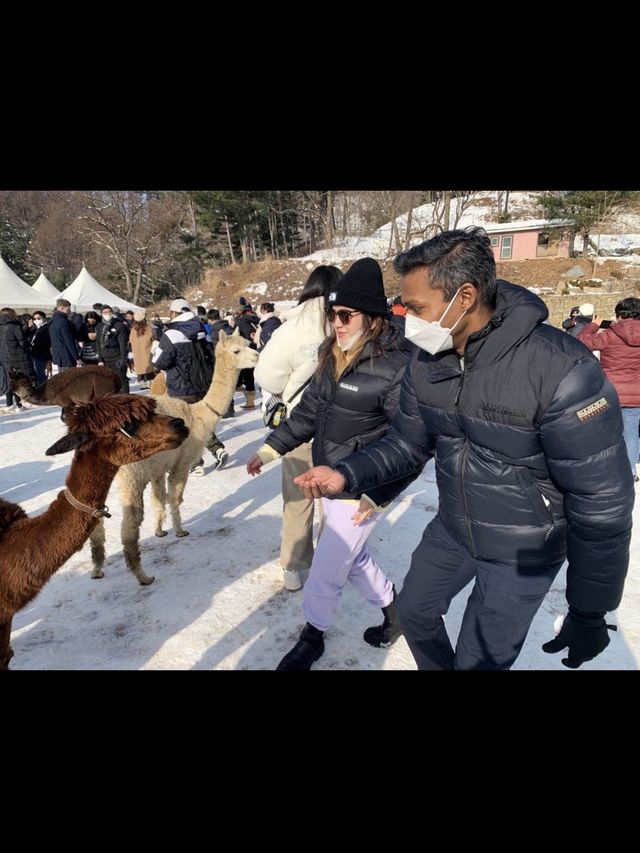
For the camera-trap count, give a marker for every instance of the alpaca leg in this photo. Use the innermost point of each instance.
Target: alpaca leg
(96, 540)
(6, 652)
(132, 515)
(159, 502)
(177, 482)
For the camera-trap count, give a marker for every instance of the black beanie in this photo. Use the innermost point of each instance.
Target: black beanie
(361, 287)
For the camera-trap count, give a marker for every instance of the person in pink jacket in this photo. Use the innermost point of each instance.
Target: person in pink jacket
(619, 345)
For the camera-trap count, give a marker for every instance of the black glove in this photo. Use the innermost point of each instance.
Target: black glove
(584, 633)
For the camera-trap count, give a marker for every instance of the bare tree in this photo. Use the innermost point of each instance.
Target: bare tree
(133, 230)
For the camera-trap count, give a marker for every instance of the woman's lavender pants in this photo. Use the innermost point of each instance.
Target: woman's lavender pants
(342, 555)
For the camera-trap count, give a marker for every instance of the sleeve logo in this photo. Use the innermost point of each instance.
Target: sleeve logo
(592, 410)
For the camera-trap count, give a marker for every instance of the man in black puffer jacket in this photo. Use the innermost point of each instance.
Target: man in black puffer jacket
(531, 466)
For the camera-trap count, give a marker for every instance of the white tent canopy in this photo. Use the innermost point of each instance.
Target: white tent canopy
(84, 291)
(16, 293)
(44, 287)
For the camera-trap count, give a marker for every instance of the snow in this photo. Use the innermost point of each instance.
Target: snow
(260, 288)
(217, 601)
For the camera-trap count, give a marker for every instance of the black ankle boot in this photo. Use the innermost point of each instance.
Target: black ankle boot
(308, 649)
(385, 635)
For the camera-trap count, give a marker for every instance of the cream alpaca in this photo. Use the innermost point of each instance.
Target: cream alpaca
(168, 472)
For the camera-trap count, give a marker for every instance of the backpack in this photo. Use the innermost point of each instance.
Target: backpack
(200, 369)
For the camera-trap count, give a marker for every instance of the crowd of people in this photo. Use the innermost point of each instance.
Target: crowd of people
(34, 343)
(535, 440)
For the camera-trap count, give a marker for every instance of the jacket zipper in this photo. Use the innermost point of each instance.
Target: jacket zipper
(463, 457)
(547, 505)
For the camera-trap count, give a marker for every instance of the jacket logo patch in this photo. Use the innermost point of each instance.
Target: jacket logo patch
(348, 387)
(592, 410)
(502, 410)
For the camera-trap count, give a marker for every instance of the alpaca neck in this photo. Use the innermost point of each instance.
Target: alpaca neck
(44, 543)
(89, 480)
(222, 388)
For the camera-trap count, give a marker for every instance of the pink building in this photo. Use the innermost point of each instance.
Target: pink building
(535, 238)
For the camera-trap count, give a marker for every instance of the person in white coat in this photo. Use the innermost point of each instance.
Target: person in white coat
(286, 363)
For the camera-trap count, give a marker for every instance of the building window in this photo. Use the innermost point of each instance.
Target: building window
(543, 239)
(495, 241)
(505, 251)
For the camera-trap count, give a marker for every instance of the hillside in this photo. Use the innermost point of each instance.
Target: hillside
(281, 281)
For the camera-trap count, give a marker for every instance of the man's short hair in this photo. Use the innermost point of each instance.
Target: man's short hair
(454, 258)
(63, 303)
(628, 309)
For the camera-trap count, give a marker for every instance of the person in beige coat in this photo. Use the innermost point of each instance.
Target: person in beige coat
(140, 339)
(286, 363)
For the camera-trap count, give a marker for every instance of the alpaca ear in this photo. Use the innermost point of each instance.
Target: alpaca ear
(68, 442)
(222, 336)
(236, 331)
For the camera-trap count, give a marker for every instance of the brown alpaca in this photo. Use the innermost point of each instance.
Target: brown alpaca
(169, 472)
(114, 431)
(73, 386)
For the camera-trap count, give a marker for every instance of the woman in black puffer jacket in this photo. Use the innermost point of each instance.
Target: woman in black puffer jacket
(349, 404)
(14, 351)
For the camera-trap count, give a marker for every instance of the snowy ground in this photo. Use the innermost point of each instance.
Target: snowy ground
(218, 601)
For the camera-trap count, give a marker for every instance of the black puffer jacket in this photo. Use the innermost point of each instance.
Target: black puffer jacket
(40, 342)
(352, 413)
(112, 339)
(14, 347)
(530, 461)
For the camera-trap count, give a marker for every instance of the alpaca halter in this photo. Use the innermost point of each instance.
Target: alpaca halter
(101, 512)
(211, 409)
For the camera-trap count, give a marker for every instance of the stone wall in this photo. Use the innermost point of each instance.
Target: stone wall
(560, 305)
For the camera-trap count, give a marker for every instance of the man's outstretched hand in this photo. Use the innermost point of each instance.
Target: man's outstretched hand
(320, 482)
(584, 634)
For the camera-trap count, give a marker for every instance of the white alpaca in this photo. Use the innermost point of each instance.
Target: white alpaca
(232, 355)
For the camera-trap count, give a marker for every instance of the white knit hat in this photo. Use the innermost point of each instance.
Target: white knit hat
(587, 310)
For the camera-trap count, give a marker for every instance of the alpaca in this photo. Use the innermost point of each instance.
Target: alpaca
(158, 385)
(114, 431)
(168, 472)
(73, 386)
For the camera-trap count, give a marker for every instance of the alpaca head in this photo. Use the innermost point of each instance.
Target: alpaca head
(233, 352)
(120, 429)
(21, 384)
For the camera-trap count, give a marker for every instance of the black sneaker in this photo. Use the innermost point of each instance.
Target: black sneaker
(197, 470)
(221, 457)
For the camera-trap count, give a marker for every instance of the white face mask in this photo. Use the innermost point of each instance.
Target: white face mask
(346, 343)
(38, 322)
(431, 336)
(107, 318)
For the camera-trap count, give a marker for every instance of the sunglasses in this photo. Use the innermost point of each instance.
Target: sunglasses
(343, 316)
